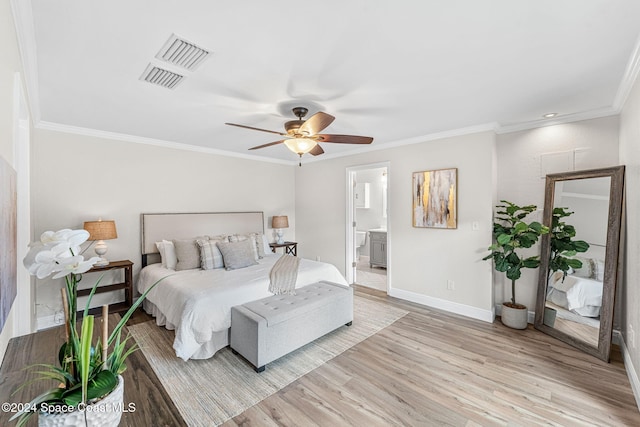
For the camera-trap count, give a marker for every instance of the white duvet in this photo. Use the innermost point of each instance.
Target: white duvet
(580, 295)
(197, 303)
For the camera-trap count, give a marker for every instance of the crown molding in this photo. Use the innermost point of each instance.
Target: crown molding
(569, 118)
(155, 142)
(629, 78)
(488, 127)
(25, 33)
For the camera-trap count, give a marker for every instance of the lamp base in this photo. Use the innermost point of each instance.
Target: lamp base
(280, 236)
(103, 262)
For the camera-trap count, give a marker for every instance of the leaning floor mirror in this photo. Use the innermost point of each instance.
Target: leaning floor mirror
(579, 258)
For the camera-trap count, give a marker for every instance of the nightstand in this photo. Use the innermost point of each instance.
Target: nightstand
(290, 248)
(127, 285)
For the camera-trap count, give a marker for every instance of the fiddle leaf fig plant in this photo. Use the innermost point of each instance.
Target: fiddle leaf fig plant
(563, 247)
(512, 234)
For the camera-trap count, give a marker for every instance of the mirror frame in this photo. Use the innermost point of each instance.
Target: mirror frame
(612, 248)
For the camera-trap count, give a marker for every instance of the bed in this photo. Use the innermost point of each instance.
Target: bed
(580, 291)
(196, 303)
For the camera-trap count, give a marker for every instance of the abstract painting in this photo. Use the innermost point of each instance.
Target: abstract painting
(435, 198)
(8, 249)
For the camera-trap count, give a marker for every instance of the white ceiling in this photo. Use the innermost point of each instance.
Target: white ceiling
(397, 70)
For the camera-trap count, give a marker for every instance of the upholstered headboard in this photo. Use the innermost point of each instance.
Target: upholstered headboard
(155, 227)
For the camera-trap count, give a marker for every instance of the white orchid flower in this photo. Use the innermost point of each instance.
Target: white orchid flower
(75, 264)
(55, 249)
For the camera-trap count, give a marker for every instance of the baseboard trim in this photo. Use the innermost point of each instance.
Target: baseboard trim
(441, 304)
(631, 370)
(47, 322)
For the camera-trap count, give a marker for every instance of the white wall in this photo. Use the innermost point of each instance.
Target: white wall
(421, 260)
(521, 181)
(630, 292)
(79, 178)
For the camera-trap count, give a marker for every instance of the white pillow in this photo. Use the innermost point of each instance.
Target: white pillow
(167, 254)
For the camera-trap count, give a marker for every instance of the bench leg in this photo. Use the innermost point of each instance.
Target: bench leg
(260, 369)
(349, 324)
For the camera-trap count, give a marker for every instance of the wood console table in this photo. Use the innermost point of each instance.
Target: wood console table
(290, 248)
(127, 285)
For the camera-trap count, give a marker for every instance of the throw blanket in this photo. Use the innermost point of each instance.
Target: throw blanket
(283, 275)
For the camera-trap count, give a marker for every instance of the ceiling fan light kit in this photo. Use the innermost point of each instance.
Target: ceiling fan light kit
(300, 146)
(302, 136)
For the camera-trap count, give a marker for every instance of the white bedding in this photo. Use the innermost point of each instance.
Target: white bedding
(197, 303)
(578, 294)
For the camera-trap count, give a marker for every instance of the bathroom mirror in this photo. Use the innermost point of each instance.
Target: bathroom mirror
(578, 308)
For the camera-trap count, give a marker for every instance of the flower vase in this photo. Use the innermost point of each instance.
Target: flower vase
(105, 412)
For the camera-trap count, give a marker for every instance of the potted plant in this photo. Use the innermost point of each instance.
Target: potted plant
(512, 234)
(88, 373)
(563, 247)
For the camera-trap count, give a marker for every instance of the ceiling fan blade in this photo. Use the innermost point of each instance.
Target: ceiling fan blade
(316, 123)
(267, 145)
(345, 139)
(252, 128)
(317, 150)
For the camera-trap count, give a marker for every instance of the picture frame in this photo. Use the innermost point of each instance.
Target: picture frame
(8, 240)
(435, 199)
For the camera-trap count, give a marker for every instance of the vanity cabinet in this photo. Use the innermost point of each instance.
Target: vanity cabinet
(378, 242)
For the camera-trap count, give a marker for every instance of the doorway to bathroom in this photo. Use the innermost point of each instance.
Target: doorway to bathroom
(368, 255)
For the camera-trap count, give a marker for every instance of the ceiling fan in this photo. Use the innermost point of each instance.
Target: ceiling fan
(302, 136)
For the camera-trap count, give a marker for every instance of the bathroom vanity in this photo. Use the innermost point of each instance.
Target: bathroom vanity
(378, 248)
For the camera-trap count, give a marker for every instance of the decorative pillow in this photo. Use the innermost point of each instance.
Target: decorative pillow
(252, 237)
(237, 254)
(168, 254)
(188, 254)
(163, 260)
(587, 269)
(599, 269)
(257, 240)
(210, 255)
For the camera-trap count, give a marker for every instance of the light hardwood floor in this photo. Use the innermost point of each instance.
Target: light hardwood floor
(435, 369)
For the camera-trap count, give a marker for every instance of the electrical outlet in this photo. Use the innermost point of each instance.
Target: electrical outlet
(475, 226)
(631, 337)
(58, 317)
(451, 285)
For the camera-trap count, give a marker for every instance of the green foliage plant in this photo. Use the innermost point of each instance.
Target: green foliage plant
(512, 234)
(563, 247)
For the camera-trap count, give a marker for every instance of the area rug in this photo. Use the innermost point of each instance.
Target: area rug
(209, 392)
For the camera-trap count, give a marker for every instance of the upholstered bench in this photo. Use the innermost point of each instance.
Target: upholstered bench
(267, 329)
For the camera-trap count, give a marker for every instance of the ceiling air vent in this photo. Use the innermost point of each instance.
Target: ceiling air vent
(182, 53)
(161, 77)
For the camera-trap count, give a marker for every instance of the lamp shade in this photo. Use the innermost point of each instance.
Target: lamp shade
(101, 230)
(280, 222)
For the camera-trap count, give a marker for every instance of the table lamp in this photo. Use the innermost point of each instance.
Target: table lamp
(101, 230)
(280, 222)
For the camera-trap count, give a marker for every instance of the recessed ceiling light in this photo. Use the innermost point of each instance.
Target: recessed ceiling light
(549, 115)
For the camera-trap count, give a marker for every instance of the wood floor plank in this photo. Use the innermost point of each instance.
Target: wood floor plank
(432, 368)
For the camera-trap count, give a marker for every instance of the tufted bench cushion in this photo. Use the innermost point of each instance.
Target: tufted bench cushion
(266, 329)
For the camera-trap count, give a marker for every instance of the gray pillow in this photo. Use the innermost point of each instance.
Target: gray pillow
(188, 254)
(237, 254)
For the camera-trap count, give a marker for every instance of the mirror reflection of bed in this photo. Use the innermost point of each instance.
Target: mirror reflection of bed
(573, 302)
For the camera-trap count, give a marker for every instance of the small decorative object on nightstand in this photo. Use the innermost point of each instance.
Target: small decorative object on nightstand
(101, 230)
(290, 248)
(127, 285)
